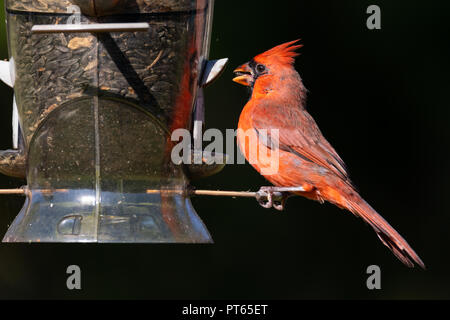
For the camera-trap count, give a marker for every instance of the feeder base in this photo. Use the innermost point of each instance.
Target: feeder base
(74, 216)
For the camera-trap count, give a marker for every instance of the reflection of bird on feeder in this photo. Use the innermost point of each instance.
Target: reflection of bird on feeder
(99, 87)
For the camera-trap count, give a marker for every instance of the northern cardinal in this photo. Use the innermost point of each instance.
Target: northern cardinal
(307, 164)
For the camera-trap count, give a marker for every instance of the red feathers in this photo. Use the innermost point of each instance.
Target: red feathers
(284, 53)
(305, 158)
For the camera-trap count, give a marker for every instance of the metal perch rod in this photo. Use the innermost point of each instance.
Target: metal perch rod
(95, 27)
(192, 192)
(12, 191)
(216, 193)
(241, 194)
(245, 194)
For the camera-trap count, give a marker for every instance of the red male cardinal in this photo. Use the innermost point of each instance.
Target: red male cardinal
(307, 164)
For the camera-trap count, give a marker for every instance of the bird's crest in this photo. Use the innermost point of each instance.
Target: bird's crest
(284, 53)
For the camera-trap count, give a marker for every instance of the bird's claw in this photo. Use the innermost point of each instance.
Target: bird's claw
(269, 197)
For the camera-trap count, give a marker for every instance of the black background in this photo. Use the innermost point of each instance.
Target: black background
(380, 97)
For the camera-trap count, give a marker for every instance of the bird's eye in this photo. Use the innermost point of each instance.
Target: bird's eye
(260, 68)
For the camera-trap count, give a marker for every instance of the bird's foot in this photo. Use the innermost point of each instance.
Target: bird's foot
(275, 197)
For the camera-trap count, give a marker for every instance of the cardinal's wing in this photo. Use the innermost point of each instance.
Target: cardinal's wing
(298, 134)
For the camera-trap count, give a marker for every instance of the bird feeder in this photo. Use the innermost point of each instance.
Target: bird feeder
(99, 88)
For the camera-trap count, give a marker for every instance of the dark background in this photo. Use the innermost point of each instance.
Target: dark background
(380, 97)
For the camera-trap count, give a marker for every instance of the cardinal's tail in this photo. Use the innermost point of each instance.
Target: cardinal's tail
(388, 235)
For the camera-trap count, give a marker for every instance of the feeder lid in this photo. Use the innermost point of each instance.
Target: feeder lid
(106, 7)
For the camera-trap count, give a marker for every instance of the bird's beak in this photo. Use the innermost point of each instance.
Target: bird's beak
(244, 75)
